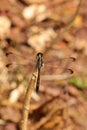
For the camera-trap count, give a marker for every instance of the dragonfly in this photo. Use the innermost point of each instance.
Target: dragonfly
(40, 63)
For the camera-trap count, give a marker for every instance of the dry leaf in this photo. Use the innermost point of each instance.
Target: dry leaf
(40, 41)
(15, 94)
(78, 21)
(5, 24)
(29, 12)
(37, 12)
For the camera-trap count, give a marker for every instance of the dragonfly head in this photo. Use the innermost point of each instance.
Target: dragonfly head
(39, 54)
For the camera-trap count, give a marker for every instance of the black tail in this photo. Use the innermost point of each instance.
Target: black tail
(38, 81)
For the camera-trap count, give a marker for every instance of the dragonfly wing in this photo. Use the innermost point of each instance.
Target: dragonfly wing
(57, 65)
(15, 60)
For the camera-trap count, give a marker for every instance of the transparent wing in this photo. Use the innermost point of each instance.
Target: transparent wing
(15, 61)
(54, 68)
(51, 64)
(58, 65)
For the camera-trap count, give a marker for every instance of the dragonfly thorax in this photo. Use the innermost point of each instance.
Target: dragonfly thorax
(39, 60)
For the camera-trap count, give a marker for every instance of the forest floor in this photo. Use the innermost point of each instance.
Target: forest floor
(28, 27)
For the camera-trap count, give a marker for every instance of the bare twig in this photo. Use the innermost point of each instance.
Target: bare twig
(26, 106)
(60, 35)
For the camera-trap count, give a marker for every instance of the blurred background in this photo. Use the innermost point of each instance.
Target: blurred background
(31, 26)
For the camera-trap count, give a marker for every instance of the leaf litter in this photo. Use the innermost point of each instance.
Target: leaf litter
(58, 106)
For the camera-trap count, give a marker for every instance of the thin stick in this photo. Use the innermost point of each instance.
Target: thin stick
(60, 35)
(27, 99)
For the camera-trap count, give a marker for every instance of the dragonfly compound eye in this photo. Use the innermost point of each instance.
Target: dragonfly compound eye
(40, 54)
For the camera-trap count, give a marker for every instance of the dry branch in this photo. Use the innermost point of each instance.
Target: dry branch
(60, 35)
(26, 105)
